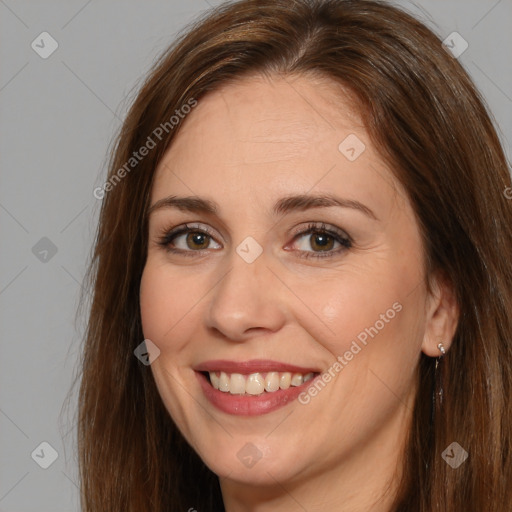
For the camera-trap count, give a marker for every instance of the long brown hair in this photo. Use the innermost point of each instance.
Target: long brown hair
(431, 125)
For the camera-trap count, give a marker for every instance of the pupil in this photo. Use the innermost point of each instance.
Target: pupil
(323, 241)
(197, 239)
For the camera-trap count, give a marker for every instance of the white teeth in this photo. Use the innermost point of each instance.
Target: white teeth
(215, 379)
(272, 381)
(224, 382)
(297, 379)
(255, 385)
(285, 380)
(237, 384)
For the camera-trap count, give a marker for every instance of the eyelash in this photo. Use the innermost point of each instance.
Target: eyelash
(319, 228)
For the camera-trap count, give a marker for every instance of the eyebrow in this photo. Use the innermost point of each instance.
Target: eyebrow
(284, 205)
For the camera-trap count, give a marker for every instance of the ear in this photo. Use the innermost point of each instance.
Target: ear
(442, 316)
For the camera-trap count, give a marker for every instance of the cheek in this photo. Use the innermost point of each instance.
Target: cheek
(372, 315)
(373, 337)
(154, 301)
(164, 302)
(342, 308)
(163, 306)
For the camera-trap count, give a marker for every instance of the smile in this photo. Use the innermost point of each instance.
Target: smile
(256, 383)
(252, 387)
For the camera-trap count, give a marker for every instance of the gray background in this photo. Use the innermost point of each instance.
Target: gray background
(58, 116)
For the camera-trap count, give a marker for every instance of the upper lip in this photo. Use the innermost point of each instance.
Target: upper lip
(252, 366)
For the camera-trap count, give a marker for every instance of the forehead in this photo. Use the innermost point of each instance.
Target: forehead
(279, 134)
(267, 110)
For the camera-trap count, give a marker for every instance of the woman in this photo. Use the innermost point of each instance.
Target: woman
(304, 239)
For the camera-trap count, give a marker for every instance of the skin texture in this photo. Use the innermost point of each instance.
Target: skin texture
(245, 146)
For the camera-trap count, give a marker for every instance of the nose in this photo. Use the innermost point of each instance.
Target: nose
(247, 299)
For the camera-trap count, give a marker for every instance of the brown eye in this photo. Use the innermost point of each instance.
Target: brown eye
(318, 241)
(187, 240)
(321, 242)
(197, 240)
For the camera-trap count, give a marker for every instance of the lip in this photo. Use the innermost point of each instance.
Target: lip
(252, 366)
(245, 405)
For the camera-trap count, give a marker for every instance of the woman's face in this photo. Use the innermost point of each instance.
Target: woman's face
(302, 256)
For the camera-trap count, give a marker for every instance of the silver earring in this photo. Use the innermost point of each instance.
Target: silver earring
(437, 377)
(435, 385)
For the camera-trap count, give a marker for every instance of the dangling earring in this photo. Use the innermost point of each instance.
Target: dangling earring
(438, 372)
(438, 382)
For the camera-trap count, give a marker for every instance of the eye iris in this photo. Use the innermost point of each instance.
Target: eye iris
(199, 239)
(322, 241)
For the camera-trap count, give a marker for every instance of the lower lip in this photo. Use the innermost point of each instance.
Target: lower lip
(246, 405)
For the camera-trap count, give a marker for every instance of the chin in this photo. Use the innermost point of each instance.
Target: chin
(257, 462)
